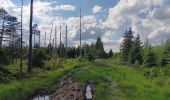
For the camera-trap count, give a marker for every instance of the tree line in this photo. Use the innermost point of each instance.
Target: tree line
(15, 48)
(134, 51)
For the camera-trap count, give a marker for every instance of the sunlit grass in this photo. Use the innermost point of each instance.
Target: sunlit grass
(122, 82)
(20, 90)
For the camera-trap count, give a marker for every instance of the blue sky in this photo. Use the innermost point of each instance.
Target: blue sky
(86, 6)
(106, 18)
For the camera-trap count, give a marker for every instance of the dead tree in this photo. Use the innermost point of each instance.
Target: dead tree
(21, 39)
(60, 40)
(30, 38)
(3, 14)
(55, 40)
(80, 32)
(36, 32)
(66, 43)
(51, 29)
(45, 40)
(55, 37)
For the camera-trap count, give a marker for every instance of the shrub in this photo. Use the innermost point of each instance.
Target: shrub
(90, 57)
(38, 58)
(3, 58)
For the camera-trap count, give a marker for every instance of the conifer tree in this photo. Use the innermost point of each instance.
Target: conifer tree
(136, 51)
(165, 58)
(99, 48)
(126, 45)
(110, 54)
(150, 58)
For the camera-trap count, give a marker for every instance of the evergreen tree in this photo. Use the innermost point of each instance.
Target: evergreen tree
(110, 54)
(136, 51)
(146, 44)
(99, 48)
(150, 58)
(126, 45)
(3, 58)
(165, 59)
(38, 57)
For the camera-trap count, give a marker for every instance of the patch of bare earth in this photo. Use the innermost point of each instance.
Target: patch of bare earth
(72, 91)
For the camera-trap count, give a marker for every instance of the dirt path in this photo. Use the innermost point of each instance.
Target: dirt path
(68, 89)
(72, 91)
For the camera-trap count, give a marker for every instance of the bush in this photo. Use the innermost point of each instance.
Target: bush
(150, 58)
(38, 58)
(90, 57)
(3, 58)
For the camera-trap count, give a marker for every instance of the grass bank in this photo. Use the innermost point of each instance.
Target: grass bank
(21, 90)
(120, 82)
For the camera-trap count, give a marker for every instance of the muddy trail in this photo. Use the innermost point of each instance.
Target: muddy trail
(68, 89)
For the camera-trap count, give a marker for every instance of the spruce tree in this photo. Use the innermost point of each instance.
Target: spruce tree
(99, 48)
(126, 45)
(110, 54)
(150, 58)
(165, 58)
(146, 44)
(136, 51)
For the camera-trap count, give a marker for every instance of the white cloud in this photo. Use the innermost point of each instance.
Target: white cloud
(66, 7)
(97, 9)
(149, 18)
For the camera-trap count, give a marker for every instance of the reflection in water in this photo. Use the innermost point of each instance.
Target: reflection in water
(45, 97)
(89, 92)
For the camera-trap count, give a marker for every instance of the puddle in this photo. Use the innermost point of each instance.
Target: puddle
(44, 97)
(89, 91)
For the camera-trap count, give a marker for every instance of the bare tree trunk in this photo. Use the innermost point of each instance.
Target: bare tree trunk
(51, 31)
(39, 39)
(34, 39)
(12, 44)
(21, 39)
(66, 43)
(55, 37)
(1, 38)
(30, 39)
(80, 32)
(60, 39)
(45, 40)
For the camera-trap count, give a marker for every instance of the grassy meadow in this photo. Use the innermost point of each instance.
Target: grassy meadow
(113, 81)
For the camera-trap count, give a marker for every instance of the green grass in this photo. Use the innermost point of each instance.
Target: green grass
(121, 82)
(20, 90)
(113, 82)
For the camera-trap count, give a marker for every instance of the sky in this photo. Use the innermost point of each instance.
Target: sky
(106, 18)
